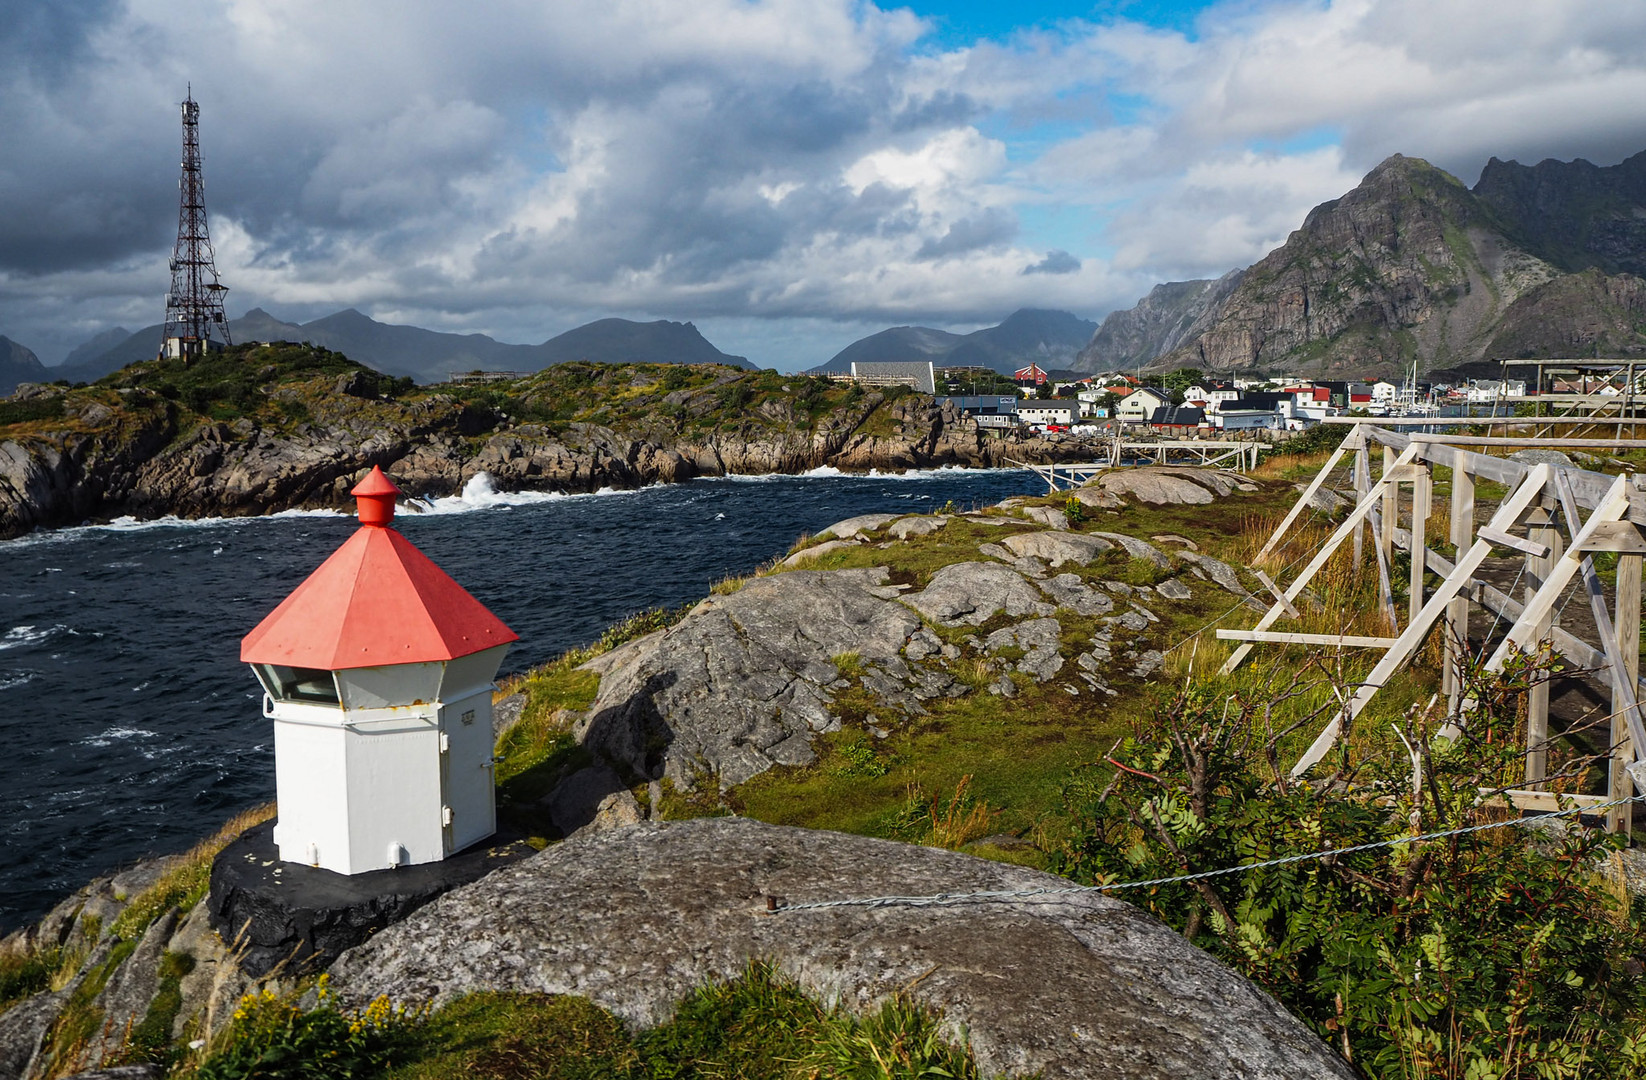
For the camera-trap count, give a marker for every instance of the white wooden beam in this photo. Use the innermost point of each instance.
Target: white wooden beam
(1349, 443)
(1348, 526)
(1507, 539)
(1401, 651)
(1274, 590)
(1546, 801)
(1348, 641)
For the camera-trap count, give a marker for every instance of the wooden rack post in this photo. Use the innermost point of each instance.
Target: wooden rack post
(1626, 614)
(1457, 612)
(1541, 530)
(1422, 504)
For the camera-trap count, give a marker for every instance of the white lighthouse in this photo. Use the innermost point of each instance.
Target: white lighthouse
(377, 672)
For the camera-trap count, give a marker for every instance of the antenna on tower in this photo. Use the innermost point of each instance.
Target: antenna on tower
(194, 305)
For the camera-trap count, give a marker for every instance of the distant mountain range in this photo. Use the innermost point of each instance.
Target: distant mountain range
(425, 355)
(1049, 338)
(18, 365)
(1534, 261)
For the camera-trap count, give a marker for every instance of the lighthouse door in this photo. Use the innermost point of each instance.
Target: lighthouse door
(467, 813)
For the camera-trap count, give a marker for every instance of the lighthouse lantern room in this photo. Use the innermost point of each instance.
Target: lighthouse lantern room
(377, 672)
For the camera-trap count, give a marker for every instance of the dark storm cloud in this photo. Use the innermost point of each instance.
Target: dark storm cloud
(991, 228)
(47, 38)
(1055, 262)
(743, 158)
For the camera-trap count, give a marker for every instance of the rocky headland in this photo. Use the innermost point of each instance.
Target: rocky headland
(1033, 619)
(259, 429)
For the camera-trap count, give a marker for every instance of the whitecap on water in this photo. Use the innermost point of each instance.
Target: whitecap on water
(9, 679)
(128, 524)
(27, 635)
(116, 734)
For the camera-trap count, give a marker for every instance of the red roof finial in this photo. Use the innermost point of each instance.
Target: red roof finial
(375, 498)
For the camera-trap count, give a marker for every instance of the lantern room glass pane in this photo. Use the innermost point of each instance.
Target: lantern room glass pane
(312, 685)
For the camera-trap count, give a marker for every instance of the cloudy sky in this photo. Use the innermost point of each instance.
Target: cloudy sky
(789, 174)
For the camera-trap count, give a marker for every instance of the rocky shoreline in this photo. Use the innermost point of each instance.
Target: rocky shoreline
(137, 457)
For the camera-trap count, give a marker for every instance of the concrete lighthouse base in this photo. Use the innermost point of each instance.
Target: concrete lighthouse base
(274, 913)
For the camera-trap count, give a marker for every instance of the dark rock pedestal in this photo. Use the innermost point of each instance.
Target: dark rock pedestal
(272, 913)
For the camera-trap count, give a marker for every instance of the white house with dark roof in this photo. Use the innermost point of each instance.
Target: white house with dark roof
(1137, 406)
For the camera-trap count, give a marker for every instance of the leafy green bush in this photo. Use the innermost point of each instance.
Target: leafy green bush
(1485, 954)
(1319, 439)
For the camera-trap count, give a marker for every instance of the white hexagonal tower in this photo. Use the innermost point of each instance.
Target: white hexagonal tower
(377, 672)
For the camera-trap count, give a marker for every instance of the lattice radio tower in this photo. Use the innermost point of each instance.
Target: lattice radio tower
(194, 305)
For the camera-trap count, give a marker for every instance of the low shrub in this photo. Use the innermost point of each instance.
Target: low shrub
(1481, 954)
(272, 1038)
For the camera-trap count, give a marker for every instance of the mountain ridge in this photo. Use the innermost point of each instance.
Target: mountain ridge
(1046, 336)
(428, 355)
(18, 364)
(1412, 265)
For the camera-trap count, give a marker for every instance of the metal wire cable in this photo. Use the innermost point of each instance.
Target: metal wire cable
(941, 899)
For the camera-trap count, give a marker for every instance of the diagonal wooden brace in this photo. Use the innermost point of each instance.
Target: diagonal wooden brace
(1347, 528)
(1407, 643)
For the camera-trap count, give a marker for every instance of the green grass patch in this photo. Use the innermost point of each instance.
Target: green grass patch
(31, 410)
(150, 1040)
(80, 1019)
(759, 1026)
(23, 974)
(184, 884)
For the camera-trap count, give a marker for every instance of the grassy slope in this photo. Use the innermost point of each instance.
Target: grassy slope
(283, 387)
(1019, 754)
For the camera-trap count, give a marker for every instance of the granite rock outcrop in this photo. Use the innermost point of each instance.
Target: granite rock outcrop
(1069, 984)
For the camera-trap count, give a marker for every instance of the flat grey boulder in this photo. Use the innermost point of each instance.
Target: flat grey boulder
(1074, 986)
(1137, 549)
(845, 530)
(817, 551)
(1219, 571)
(903, 528)
(1038, 640)
(1168, 485)
(1057, 548)
(1049, 516)
(1067, 590)
(1173, 589)
(740, 684)
(970, 593)
(1095, 497)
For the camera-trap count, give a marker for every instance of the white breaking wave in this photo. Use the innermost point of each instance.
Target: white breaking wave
(11, 679)
(170, 521)
(481, 493)
(829, 472)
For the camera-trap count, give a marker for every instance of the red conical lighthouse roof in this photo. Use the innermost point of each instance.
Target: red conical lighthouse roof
(377, 600)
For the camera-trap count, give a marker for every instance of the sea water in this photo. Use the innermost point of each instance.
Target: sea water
(130, 728)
